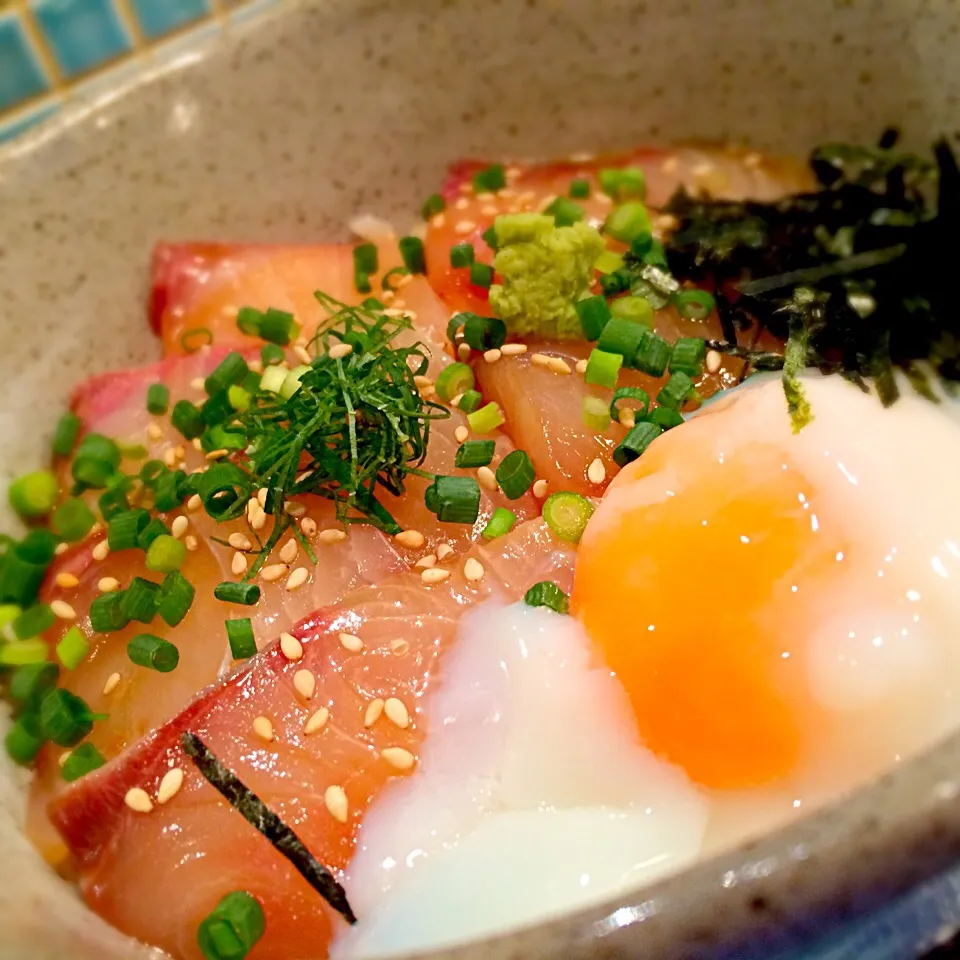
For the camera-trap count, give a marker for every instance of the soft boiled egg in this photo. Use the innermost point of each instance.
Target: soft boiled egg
(781, 608)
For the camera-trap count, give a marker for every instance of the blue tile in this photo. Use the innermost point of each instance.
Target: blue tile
(82, 34)
(160, 17)
(24, 121)
(21, 76)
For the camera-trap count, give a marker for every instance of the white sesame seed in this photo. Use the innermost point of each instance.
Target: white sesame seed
(111, 684)
(331, 536)
(61, 548)
(713, 360)
(443, 551)
(473, 570)
(596, 472)
(262, 495)
(62, 610)
(218, 454)
(288, 552)
(293, 509)
(169, 457)
(301, 354)
(461, 433)
(191, 542)
(455, 402)
(335, 800)
(413, 539)
(489, 210)
(603, 198)
(528, 196)
(273, 571)
(263, 727)
(197, 444)
(308, 527)
(108, 584)
(463, 352)
(372, 713)
(64, 757)
(197, 383)
(154, 432)
(136, 799)
(256, 366)
(546, 201)
(492, 356)
(305, 683)
(238, 565)
(422, 381)
(558, 365)
(461, 204)
(195, 502)
(513, 349)
(298, 578)
(486, 478)
(434, 575)
(351, 642)
(539, 359)
(316, 721)
(398, 758)
(463, 227)
(179, 526)
(540, 489)
(239, 542)
(170, 785)
(259, 519)
(581, 366)
(430, 560)
(66, 581)
(399, 648)
(101, 550)
(438, 221)
(290, 646)
(397, 713)
(505, 193)
(485, 196)
(627, 417)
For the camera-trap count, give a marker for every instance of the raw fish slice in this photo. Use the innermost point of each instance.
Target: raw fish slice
(194, 849)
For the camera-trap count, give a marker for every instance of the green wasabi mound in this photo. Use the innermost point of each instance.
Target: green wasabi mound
(545, 270)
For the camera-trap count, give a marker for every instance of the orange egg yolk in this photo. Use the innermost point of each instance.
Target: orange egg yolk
(692, 597)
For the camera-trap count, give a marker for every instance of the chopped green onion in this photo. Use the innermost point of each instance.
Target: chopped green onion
(547, 594)
(656, 256)
(24, 740)
(291, 383)
(124, 528)
(65, 435)
(31, 681)
(454, 379)
(564, 212)
(673, 393)
(608, 262)
(596, 414)
(616, 282)
(64, 717)
(665, 417)
(594, 314)
(246, 593)
(186, 418)
(150, 472)
(155, 528)
(278, 326)
(73, 648)
(366, 258)
(176, 596)
(231, 369)
(500, 523)
(622, 337)
(240, 635)
(483, 333)
(580, 189)
(140, 600)
(224, 489)
(37, 546)
(462, 255)
(619, 184)
(219, 437)
(490, 237)
(411, 249)
(147, 650)
(627, 222)
(22, 652)
(515, 474)
(635, 442)
(433, 205)
(634, 309)
(232, 928)
(8, 613)
(687, 356)
(97, 459)
(454, 499)
(72, 520)
(106, 613)
(603, 368)
(630, 393)
(386, 281)
(270, 354)
(481, 274)
(22, 576)
(470, 401)
(34, 494)
(475, 453)
(158, 398)
(83, 759)
(486, 419)
(216, 409)
(273, 378)
(642, 244)
(114, 500)
(33, 622)
(166, 554)
(651, 355)
(694, 304)
(196, 337)
(169, 490)
(489, 180)
(566, 514)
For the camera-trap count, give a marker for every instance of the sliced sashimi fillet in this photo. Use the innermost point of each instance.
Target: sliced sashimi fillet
(189, 852)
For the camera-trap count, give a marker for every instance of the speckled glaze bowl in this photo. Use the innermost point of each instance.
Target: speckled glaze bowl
(283, 129)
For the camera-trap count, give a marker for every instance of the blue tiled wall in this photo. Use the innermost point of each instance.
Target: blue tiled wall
(50, 48)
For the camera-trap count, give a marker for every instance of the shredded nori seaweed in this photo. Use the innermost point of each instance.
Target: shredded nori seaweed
(259, 816)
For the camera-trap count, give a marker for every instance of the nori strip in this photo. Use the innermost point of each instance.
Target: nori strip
(257, 814)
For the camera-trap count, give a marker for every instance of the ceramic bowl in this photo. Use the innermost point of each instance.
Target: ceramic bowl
(281, 130)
